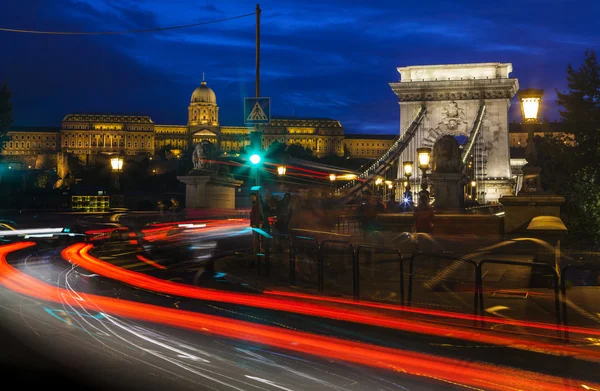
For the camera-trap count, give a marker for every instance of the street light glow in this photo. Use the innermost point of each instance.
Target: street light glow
(424, 155)
(255, 158)
(281, 170)
(408, 168)
(116, 163)
(531, 100)
(530, 108)
(332, 177)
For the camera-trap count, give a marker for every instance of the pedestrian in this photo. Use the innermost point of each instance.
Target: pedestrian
(174, 206)
(256, 222)
(367, 212)
(423, 214)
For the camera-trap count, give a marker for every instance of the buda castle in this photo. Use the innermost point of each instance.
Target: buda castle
(86, 135)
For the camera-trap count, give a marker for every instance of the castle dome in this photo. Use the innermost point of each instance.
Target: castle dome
(204, 94)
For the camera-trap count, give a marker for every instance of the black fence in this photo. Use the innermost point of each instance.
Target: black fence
(341, 255)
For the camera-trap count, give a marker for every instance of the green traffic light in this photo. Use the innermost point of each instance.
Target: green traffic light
(255, 159)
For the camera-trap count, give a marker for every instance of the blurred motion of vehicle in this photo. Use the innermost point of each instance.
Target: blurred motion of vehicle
(199, 241)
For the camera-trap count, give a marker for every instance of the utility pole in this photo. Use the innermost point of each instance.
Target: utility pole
(255, 140)
(258, 11)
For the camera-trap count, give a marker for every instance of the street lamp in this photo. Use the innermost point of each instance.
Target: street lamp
(531, 99)
(424, 154)
(281, 170)
(116, 164)
(408, 169)
(378, 181)
(473, 192)
(332, 177)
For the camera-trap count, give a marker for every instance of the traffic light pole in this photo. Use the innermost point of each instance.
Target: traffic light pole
(255, 141)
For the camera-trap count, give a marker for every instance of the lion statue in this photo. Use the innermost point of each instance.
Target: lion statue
(446, 156)
(198, 157)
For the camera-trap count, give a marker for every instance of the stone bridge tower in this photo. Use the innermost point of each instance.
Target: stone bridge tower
(453, 95)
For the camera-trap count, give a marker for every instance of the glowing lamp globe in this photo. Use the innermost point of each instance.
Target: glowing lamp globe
(408, 168)
(116, 163)
(531, 99)
(424, 154)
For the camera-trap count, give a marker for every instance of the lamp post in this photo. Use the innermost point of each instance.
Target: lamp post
(531, 100)
(332, 179)
(424, 154)
(281, 170)
(116, 164)
(473, 192)
(407, 167)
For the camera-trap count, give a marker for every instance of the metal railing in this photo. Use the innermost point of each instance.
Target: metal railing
(563, 288)
(356, 269)
(532, 264)
(449, 258)
(355, 253)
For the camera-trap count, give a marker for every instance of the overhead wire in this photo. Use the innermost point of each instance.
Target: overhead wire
(26, 31)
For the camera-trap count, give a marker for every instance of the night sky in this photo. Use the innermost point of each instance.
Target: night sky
(322, 59)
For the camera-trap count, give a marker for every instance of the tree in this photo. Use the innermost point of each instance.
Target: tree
(574, 171)
(5, 113)
(300, 152)
(581, 105)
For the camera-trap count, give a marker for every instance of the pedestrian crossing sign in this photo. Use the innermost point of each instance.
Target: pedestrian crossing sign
(257, 111)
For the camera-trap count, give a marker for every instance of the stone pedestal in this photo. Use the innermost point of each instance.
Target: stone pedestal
(532, 182)
(494, 189)
(520, 210)
(447, 191)
(206, 191)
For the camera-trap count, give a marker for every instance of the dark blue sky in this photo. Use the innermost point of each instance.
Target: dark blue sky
(319, 58)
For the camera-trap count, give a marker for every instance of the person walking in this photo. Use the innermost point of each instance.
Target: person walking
(423, 214)
(256, 221)
(367, 212)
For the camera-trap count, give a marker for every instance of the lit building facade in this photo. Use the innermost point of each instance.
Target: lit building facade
(86, 135)
(368, 146)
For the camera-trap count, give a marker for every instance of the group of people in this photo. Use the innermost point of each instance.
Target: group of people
(269, 214)
(273, 216)
(370, 207)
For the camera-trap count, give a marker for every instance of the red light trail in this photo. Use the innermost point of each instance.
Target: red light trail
(79, 254)
(474, 374)
(150, 262)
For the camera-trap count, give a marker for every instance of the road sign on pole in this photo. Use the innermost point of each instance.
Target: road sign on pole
(257, 111)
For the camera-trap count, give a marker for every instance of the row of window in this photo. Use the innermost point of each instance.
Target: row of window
(135, 137)
(351, 144)
(17, 137)
(376, 152)
(28, 145)
(98, 127)
(108, 145)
